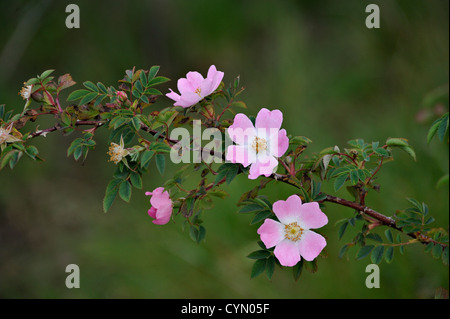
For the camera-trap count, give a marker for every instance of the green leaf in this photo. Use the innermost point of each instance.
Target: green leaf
(443, 127)
(239, 104)
(143, 78)
(231, 173)
(145, 99)
(227, 171)
(354, 177)
(139, 86)
(339, 182)
(433, 129)
(160, 147)
(395, 141)
(193, 233)
(416, 204)
(136, 123)
(437, 251)
(88, 98)
(146, 157)
(11, 157)
(158, 80)
(342, 251)
(374, 237)
(389, 236)
(259, 254)
(136, 180)
(102, 87)
(389, 254)
(152, 91)
(258, 267)
(45, 74)
(301, 140)
(377, 254)
(270, 267)
(364, 252)
(442, 181)
(342, 230)
(201, 233)
(78, 152)
(32, 151)
(218, 193)
(91, 86)
(252, 208)
(125, 191)
(261, 216)
(428, 247)
(152, 72)
(381, 151)
(297, 270)
(410, 151)
(160, 163)
(110, 194)
(78, 94)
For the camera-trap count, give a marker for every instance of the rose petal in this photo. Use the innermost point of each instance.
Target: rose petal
(271, 232)
(185, 86)
(242, 130)
(288, 211)
(161, 200)
(311, 244)
(158, 190)
(287, 253)
(215, 76)
(279, 143)
(263, 166)
(163, 216)
(311, 216)
(206, 87)
(269, 119)
(241, 154)
(174, 96)
(188, 99)
(195, 79)
(152, 212)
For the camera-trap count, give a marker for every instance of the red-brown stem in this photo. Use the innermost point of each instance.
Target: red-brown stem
(385, 220)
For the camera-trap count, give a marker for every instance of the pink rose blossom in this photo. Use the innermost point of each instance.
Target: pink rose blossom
(258, 145)
(162, 206)
(121, 96)
(292, 235)
(194, 87)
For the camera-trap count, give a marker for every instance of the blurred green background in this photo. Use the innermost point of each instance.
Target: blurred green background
(333, 78)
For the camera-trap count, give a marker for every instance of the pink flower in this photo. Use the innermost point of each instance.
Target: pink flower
(194, 87)
(121, 96)
(162, 206)
(292, 236)
(258, 145)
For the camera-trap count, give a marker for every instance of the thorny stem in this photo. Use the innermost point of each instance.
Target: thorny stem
(384, 220)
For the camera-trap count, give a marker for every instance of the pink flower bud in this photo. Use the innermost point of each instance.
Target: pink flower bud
(162, 206)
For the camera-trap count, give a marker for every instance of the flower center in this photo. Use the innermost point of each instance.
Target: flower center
(293, 231)
(117, 153)
(198, 91)
(259, 144)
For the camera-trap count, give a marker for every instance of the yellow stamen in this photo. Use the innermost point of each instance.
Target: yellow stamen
(259, 144)
(293, 231)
